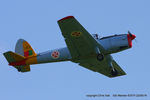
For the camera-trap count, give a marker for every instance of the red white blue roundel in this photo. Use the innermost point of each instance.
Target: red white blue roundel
(55, 54)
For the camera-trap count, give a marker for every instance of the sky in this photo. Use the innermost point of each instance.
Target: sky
(36, 22)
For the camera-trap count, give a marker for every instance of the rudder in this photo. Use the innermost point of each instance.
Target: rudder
(24, 48)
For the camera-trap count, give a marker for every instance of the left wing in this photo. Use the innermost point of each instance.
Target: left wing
(80, 43)
(102, 67)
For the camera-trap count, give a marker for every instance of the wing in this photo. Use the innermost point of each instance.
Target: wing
(80, 43)
(102, 67)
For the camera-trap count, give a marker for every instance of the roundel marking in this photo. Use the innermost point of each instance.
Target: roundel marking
(76, 34)
(55, 54)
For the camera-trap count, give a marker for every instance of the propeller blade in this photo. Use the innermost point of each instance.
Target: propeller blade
(130, 33)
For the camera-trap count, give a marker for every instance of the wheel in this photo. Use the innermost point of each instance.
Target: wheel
(114, 72)
(100, 57)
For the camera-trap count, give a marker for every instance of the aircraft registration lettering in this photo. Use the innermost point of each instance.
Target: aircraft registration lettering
(76, 34)
(55, 54)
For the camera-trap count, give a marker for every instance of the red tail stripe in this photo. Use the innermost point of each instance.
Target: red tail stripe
(18, 63)
(26, 54)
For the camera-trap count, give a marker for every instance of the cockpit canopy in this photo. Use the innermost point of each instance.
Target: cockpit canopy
(96, 36)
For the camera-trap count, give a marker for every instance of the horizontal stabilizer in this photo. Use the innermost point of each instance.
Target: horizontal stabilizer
(13, 57)
(17, 61)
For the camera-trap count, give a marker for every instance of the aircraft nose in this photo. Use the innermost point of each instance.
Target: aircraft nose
(133, 36)
(130, 38)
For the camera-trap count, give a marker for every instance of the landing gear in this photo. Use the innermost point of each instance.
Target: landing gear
(100, 57)
(114, 72)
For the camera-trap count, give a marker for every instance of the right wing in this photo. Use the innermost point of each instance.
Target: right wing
(102, 67)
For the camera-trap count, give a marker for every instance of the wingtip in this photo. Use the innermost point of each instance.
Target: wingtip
(6, 52)
(67, 17)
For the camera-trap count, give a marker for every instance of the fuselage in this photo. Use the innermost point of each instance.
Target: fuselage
(111, 44)
(114, 43)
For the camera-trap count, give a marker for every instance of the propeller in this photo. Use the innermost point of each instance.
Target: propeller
(132, 36)
(130, 33)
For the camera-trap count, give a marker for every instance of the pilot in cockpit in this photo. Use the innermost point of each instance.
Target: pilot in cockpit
(96, 36)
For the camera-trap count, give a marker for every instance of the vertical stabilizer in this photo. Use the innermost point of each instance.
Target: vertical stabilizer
(23, 48)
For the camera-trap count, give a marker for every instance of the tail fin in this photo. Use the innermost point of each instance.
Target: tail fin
(23, 51)
(23, 48)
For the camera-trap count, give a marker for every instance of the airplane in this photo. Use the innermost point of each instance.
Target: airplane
(89, 51)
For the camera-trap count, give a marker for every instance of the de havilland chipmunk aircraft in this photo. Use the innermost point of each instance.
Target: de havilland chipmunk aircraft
(88, 51)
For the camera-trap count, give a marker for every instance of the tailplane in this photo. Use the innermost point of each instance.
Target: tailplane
(17, 61)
